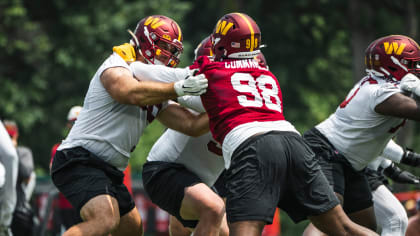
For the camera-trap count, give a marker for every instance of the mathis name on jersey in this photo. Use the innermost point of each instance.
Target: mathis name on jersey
(243, 64)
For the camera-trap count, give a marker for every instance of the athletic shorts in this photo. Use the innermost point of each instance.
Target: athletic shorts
(276, 169)
(81, 176)
(165, 183)
(375, 179)
(219, 186)
(344, 179)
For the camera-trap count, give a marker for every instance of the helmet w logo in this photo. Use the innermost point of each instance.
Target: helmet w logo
(153, 22)
(222, 27)
(394, 48)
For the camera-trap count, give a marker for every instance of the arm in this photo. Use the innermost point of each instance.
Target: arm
(399, 105)
(180, 119)
(396, 153)
(185, 81)
(122, 87)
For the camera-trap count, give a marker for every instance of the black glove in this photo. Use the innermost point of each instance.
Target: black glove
(400, 176)
(411, 158)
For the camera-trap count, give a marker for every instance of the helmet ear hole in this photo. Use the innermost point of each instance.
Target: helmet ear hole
(391, 68)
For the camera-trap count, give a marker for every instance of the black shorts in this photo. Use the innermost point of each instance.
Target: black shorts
(81, 176)
(375, 179)
(219, 186)
(165, 183)
(344, 179)
(272, 170)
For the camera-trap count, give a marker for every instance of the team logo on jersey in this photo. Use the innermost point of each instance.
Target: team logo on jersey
(394, 48)
(222, 27)
(153, 22)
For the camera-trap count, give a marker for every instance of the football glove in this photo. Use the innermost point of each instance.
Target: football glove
(191, 85)
(400, 176)
(410, 158)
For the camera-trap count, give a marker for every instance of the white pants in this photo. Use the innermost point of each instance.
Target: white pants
(391, 216)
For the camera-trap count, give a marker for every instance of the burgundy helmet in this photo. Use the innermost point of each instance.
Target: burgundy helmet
(368, 55)
(160, 37)
(236, 35)
(394, 56)
(204, 48)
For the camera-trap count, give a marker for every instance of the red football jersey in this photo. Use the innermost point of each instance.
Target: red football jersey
(239, 92)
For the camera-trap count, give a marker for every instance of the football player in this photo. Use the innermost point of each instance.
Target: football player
(88, 165)
(268, 163)
(365, 122)
(9, 159)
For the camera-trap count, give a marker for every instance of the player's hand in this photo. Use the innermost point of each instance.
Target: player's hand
(411, 83)
(192, 85)
(408, 178)
(400, 176)
(411, 158)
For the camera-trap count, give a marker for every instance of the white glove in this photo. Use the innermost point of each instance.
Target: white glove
(192, 85)
(411, 83)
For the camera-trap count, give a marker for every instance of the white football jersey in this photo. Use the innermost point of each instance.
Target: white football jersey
(201, 155)
(109, 129)
(355, 129)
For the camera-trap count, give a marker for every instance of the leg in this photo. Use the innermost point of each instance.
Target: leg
(130, 224)
(224, 229)
(100, 215)
(177, 229)
(311, 230)
(413, 228)
(390, 214)
(246, 228)
(365, 217)
(336, 222)
(200, 202)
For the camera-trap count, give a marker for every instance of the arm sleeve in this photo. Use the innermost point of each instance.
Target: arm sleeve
(192, 102)
(393, 151)
(158, 73)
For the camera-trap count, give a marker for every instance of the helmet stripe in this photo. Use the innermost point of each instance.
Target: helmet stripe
(179, 30)
(250, 29)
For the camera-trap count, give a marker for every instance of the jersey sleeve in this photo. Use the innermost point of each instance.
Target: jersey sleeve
(382, 92)
(114, 60)
(158, 73)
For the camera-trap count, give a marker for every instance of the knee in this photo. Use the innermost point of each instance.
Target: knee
(398, 222)
(224, 230)
(215, 210)
(103, 224)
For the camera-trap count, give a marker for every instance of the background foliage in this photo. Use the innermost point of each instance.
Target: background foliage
(50, 49)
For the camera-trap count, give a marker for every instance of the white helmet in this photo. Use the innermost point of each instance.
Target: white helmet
(73, 113)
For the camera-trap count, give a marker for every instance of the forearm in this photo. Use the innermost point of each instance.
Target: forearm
(151, 93)
(125, 89)
(184, 121)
